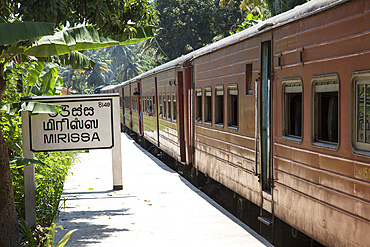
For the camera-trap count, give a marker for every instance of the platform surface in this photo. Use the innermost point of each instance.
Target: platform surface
(157, 207)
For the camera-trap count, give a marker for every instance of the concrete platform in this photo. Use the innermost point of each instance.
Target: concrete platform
(157, 207)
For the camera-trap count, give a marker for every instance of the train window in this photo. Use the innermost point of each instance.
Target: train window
(169, 105)
(174, 107)
(198, 105)
(292, 114)
(326, 110)
(164, 106)
(208, 105)
(248, 79)
(219, 105)
(232, 105)
(160, 105)
(361, 138)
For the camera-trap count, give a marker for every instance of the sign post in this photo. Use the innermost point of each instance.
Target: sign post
(116, 150)
(29, 174)
(86, 122)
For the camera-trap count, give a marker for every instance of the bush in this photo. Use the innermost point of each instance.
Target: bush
(49, 181)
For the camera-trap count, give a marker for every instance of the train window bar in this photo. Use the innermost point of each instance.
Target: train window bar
(208, 105)
(292, 109)
(164, 106)
(232, 106)
(198, 105)
(326, 111)
(153, 105)
(174, 107)
(219, 105)
(360, 121)
(160, 105)
(169, 106)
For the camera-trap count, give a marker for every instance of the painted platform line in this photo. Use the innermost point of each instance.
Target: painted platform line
(156, 207)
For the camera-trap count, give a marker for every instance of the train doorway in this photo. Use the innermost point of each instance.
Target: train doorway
(266, 207)
(265, 124)
(157, 111)
(139, 109)
(180, 105)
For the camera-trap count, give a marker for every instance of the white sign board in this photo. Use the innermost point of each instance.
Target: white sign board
(86, 123)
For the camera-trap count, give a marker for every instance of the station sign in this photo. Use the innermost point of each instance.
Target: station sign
(83, 123)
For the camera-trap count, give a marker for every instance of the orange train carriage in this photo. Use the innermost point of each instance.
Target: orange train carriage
(278, 114)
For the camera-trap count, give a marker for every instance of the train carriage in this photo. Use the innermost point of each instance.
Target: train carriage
(321, 66)
(163, 93)
(149, 102)
(159, 94)
(117, 89)
(278, 114)
(298, 80)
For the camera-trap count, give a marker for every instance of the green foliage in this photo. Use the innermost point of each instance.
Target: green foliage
(31, 79)
(187, 25)
(11, 128)
(279, 6)
(20, 31)
(65, 238)
(110, 16)
(126, 62)
(17, 162)
(29, 238)
(49, 180)
(77, 39)
(113, 65)
(51, 168)
(251, 19)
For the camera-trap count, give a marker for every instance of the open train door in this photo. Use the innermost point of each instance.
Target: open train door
(266, 207)
(123, 109)
(141, 129)
(157, 111)
(188, 111)
(180, 110)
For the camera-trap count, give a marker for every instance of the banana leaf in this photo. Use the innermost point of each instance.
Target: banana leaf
(11, 33)
(11, 109)
(76, 59)
(37, 107)
(20, 162)
(83, 38)
(33, 107)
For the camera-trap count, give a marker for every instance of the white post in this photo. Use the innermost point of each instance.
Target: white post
(116, 150)
(29, 173)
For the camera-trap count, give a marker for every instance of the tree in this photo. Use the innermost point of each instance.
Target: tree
(110, 16)
(279, 6)
(127, 62)
(254, 11)
(186, 25)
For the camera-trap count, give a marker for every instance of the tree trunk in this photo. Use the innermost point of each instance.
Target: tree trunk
(9, 233)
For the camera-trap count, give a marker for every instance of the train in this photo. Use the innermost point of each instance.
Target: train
(277, 115)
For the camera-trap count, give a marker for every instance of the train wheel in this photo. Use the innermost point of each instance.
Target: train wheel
(241, 209)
